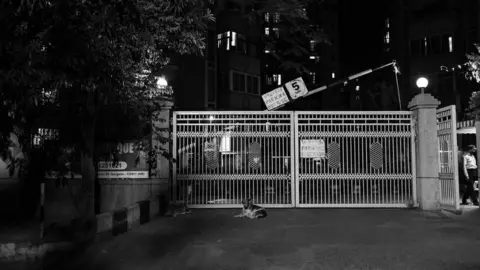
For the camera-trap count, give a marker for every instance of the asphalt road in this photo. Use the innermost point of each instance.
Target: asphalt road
(293, 239)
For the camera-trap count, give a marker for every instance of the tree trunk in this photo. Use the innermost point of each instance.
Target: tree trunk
(88, 178)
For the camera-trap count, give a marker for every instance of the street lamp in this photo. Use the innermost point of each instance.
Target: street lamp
(162, 82)
(163, 88)
(422, 83)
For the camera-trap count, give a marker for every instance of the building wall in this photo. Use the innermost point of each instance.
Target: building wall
(416, 20)
(206, 82)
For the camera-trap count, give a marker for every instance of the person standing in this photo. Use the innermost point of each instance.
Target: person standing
(470, 171)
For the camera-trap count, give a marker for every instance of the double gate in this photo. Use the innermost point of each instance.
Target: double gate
(294, 159)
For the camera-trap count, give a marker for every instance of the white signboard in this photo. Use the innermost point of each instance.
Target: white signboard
(312, 149)
(275, 98)
(122, 174)
(296, 88)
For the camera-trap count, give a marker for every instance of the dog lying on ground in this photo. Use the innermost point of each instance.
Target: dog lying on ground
(251, 210)
(175, 209)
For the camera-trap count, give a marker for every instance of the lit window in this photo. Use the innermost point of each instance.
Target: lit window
(303, 12)
(315, 57)
(333, 75)
(312, 45)
(276, 31)
(234, 39)
(277, 78)
(276, 17)
(268, 80)
(267, 31)
(450, 44)
(267, 17)
(425, 45)
(312, 75)
(223, 41)
(387, 38)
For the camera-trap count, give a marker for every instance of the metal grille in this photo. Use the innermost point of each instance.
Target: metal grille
(224, 157)
(369, 160)
(448, 159)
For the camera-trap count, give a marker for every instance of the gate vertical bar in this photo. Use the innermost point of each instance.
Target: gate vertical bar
(295, 161)
(413, 162)
(454, 153)
(173, 184)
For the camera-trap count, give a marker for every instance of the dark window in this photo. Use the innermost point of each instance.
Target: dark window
(211, 85)
(240, 42)
(211, 45)
(416, 47)
(255, 85)
(232, 5)
(436, 44)
(250, 84)
(235, 81)
(471, 40)
(252, 50)
(242, 83)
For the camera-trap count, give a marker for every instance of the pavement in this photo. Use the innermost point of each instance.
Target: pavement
(292, 239)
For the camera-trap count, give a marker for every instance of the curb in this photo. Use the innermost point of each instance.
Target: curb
(29, 251)
(109, 225)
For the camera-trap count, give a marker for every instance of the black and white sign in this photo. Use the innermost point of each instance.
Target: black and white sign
(296, 88)
(123, 174)
(275, 98)
(312, 149)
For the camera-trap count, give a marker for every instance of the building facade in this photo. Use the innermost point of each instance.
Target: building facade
(321, 61)
(430, 38)
(228, 76)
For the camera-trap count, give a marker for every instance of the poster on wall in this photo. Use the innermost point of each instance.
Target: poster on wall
(132, 163)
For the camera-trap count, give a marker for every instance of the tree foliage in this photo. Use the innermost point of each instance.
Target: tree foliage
(89, 67)
(472, 73)
(73, 65)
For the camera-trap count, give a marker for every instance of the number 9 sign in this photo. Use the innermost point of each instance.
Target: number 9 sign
(296, 88)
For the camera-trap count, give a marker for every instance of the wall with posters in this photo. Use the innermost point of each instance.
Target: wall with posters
(127, 180)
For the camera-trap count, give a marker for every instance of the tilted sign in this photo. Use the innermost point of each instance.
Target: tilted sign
(275, 98)
(296, 88)
(312, 149)
(132, 163)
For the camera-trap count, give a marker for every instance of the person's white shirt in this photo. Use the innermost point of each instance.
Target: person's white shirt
(469, 162)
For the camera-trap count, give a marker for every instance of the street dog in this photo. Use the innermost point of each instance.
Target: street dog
(175, 209)
(251, 210)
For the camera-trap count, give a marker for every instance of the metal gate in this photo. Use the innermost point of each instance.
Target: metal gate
(294, 159)
(224, 157)
(448, 158)
(366, 159)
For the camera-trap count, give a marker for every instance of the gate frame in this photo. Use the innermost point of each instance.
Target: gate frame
(413, 122)
(454, 150)
(294, 153)
(174, 186)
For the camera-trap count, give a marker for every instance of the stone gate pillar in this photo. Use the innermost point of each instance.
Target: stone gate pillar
(162, 126)
(424, 108)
